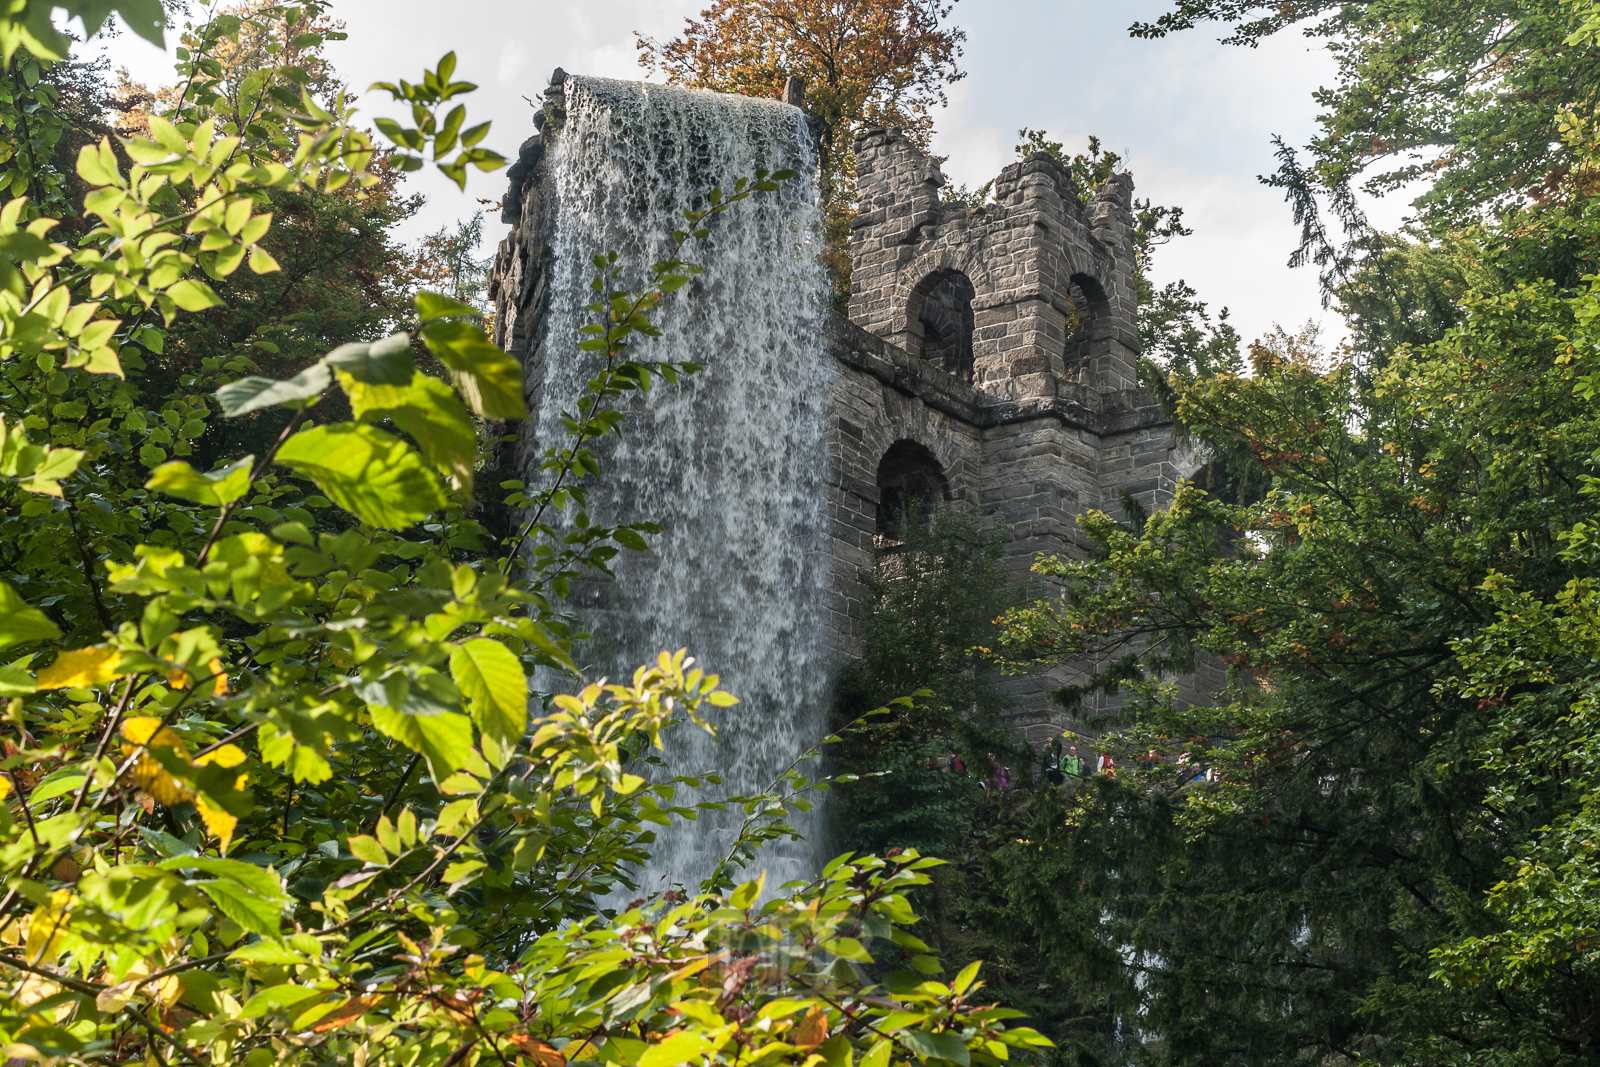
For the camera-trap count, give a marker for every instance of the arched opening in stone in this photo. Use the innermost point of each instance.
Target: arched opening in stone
(940, 314)
(911, 482)
(1091, 305)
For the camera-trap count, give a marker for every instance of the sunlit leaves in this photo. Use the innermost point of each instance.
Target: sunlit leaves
(249, 895)
(81, 668)
(493, 681)
(437, 421)
(490, 381)
(443, 737)
(163, 771)
(380, 363)
(374, 475)
(217, 488)
(20, 622)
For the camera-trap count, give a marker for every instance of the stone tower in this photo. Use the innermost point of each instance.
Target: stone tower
(1003, 365)
(1050, 285)
(989, 360)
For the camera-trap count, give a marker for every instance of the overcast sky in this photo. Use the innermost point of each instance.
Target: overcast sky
(1193, 117)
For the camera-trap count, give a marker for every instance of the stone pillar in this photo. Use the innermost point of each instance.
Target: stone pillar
(1110, 337)
(897, 189)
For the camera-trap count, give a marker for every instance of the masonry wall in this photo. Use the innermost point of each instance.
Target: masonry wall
(1045, 423)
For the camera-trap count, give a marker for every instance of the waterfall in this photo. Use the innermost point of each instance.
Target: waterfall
(731, 463)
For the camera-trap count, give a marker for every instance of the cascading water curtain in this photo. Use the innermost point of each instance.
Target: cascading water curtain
(732, 463)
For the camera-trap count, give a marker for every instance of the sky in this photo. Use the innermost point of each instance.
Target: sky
(1194, 118)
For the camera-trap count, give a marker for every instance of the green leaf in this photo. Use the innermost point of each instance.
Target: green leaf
(936, 1046)
(432, 306)
(968, 975)
(57, 464)
(629, 539)
(444, 739)
(385, 362)
(16, 682)
(218, 488)
(251, 896)
(489, 380)
(278, 998)
(367, 849)
(492, 680)
(847, 948)
(681, 1047)
(23, 245)
(60, 783)
(431, 413)
(252, 394)
(19, 622)
(192, 295)
(373, 475)
(439, 423)
(97, 167)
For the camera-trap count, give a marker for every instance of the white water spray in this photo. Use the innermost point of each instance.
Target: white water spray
(732, 463)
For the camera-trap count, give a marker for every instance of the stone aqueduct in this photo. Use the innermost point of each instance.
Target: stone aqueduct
(989, 360)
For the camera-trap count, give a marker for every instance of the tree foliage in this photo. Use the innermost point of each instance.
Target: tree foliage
(1388, 865)
(929, 611)
(881, 62)
(273, 791)
(1462, 96)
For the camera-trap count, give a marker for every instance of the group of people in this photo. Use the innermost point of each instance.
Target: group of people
(1065, 764)
(1061, 762)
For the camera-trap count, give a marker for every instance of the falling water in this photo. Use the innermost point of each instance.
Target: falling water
(730, 463)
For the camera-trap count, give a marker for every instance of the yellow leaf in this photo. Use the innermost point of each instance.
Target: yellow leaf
(226, 756)
(219, 822)
(34, 989)
(46, 925)
(81, 668)
(220, 673)
(114, 999)
(148, 773)
(168, 988)
(179, 679)
(812, 1030)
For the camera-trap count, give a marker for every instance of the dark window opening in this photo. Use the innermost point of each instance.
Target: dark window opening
(911, 482)
(946, 322)
(1090, 304)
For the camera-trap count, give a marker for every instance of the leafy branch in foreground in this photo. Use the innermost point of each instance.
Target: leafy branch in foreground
(272, 789)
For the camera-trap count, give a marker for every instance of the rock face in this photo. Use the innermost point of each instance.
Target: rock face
(989, 359)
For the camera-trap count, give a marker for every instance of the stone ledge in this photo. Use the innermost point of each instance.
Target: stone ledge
(1081, 408)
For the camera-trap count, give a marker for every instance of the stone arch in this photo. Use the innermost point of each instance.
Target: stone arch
(915, 279)
(939, 315)
(1091, 306)
(909, 477)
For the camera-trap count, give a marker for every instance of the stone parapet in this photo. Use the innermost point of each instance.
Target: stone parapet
(1053, 296)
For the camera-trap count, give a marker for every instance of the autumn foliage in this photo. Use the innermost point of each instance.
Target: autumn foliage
(880, 62)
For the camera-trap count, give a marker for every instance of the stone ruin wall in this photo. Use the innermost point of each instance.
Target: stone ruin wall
(997, 342)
